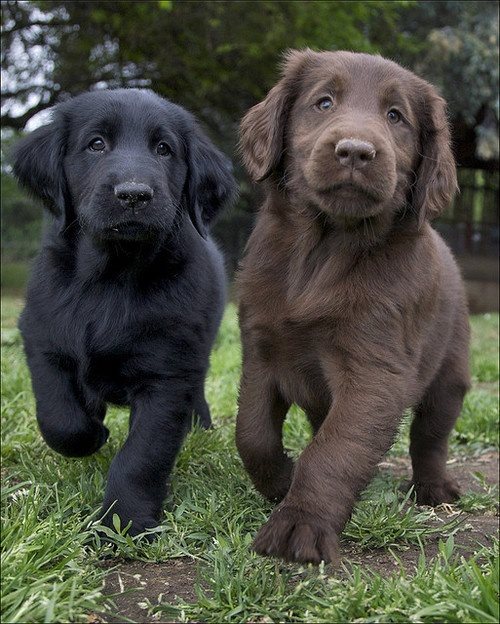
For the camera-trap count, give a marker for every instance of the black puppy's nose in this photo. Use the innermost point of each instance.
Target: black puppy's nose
(354, 153)
(133, 193)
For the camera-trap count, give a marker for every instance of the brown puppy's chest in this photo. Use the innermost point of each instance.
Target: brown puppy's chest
(291, 355)
(294, 349)
(324, 326)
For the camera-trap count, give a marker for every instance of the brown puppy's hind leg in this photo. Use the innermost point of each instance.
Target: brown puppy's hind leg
(434, 419)
(262, 411)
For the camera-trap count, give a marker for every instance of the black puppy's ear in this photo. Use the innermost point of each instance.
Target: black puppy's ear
(436, 181)
(210, 182)
(262, 129)
(38, 166)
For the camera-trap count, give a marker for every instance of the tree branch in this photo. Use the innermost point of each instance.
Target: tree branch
(18, 123)
(21, 26)
(17, 92)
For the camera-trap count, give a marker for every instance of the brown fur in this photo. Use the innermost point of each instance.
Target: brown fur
(351, 305)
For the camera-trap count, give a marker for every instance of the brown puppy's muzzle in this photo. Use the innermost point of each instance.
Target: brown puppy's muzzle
(354, 154)
(352, 170)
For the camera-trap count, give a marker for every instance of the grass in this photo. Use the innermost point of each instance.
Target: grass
(13, 276)
(49, 506)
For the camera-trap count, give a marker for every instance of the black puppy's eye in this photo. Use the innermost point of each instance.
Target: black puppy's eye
(97, 145)
(163, 149)
(394, 116)
(325, 104)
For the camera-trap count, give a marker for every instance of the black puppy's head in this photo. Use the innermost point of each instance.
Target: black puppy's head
(124, 164)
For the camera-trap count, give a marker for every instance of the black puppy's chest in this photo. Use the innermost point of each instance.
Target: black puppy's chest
(112, 375)
(121, 355)
(115, 339)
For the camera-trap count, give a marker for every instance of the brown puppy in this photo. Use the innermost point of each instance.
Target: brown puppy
(351, 305)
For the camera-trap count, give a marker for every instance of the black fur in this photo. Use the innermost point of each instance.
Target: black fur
(127, 291)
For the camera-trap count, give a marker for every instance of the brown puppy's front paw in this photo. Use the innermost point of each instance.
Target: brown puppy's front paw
(297, 536)
(436, 493)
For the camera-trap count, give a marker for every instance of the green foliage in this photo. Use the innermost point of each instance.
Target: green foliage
(455, 45)
(477, 426)
(478, 422)
(485, 347)
(384, 519)
(482, 501)
(201, 50)
(196, 52)
(14, 275)
(43, 543)
(21, 222)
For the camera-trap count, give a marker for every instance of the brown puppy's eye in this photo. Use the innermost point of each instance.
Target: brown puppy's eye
(394, 116)
(324, 104)
(163, 149)
(97, 145)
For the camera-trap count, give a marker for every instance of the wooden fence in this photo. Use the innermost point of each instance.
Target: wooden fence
(471, 224)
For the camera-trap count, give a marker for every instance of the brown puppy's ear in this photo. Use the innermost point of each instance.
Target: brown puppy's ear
(262, 128)
(436, 182)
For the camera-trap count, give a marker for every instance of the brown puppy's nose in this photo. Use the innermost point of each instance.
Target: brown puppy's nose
(133, 193)
(354, 153)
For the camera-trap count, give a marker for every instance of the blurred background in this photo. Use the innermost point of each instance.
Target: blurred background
(220, 58)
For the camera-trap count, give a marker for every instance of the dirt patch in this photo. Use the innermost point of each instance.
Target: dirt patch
(135, 583)
(462, 469)
(479, 529)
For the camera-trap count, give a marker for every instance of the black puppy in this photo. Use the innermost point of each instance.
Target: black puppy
(127, 291)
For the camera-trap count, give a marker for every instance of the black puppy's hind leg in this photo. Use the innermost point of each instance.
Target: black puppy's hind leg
(70, 423)
(202, 411)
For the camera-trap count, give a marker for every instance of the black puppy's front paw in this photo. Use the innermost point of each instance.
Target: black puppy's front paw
(127, 523)
(74, 439)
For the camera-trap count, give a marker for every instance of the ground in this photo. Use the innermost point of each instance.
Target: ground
(400, 562)
(135, 585)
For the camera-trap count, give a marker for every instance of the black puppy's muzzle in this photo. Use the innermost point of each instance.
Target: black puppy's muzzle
(135, 195)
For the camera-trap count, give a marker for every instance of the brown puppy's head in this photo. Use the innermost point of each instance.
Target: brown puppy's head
(353, 136)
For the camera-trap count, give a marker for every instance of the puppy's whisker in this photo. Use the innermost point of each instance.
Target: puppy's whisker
(424, 156)
(70, 225)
